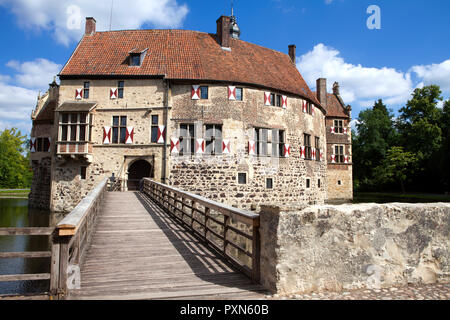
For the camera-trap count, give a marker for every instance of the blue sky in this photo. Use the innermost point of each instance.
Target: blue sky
(411, 49)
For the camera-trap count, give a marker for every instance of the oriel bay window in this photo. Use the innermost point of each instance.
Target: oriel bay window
(119, 129)
(213, 139)
(74, 127)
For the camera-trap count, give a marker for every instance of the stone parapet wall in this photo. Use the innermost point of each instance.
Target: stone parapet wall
(332, 248)
(39, 196)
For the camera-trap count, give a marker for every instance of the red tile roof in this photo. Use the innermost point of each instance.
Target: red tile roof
(186, 55)
(334, 107)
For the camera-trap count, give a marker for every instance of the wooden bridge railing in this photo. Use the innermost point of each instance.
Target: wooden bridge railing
(70, 241)
(226, 229)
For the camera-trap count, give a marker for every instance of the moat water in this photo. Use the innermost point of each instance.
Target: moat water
(16, 214)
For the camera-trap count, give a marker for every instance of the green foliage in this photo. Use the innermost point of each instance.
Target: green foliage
(396, 167)
(15, 169)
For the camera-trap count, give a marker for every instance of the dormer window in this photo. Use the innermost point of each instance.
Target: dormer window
(137, 57)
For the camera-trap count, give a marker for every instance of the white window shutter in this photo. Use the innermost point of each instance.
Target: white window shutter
(226, 146)
(251, 148)
(79, 94)
(113, 93)
(333, 158)
(161, 134)
(200, 146)
(231, 93)
(33, 144)
(106, 135)
(129, 138)
(174, 145)
(267, 98)
(195, 93)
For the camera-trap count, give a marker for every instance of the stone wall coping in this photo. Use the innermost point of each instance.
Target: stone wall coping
(74, 218)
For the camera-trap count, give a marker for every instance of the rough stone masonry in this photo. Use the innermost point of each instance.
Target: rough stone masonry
(332, 248)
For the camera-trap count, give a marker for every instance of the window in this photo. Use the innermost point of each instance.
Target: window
(187, 139)
(278, 101)
(261, 137)
(119, 129)
(308, 183)
(277, 143)
(269, 183)
(83, 170)
(338, 126)
(39, 145)
(45, 144)
(308, 151)
(135, 60)
(242, 178)
(86, 90)
(213, 139)
(239, 94)
(309, 107)
(339, 153)
(318, 183)
(203, 92)
(339, 183)
(155, 122)
(73, 127)
(272, 99)
(317, 146)
(120, 88)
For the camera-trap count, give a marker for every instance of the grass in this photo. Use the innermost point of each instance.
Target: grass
(4, 193)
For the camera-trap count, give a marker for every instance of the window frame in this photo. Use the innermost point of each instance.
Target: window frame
(239, 175)
(271, 183)
(214, 139)
(338, 126)
(307, 144)
(120, 127)
(202, 92)
(120, 89)
(86, 89)
(154, 126)
(83, 175)
(242, 93)
(317, 146)
(261, 144)
(191, 139)
(87, 124)
(134, 56)
(339, 157)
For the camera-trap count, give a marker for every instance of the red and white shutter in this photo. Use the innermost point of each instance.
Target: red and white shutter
(287, 150)
(333, 158)
(113, 93)
(313, 153)
(226, 146)
(174, 145)
(302, 152)
(251, 148)
(129, 138)
(49, 144)
(33, 144)
(267, 98)
(106, 135)
(200, 146)
(313, 109)
(333, 130)
(321, 155)
(231, 93)
(79, 94)
(345, 130)
(195, 93)
(284, 102)
(346, 159)
(161, 134)
(304, 107)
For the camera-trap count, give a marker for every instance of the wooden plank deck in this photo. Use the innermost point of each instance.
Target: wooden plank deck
(138, 252)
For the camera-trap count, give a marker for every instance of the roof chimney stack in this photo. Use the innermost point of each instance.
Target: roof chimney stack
(321, 89)
(90, 26)
(223, 31)
(292, 48)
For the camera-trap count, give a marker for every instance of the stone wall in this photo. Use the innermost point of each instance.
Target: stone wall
(39, 196)
(354, 246)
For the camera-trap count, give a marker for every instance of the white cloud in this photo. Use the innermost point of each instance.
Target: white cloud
(359, 85)
(16, 102)
(35, 74)
(435, 74)
(65, 18)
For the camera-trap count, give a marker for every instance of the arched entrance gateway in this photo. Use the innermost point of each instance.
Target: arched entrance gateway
(137, 170)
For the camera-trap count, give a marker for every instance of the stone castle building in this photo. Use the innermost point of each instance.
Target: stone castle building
(206, 113)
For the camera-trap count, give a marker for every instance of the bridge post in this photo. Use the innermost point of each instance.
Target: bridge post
(256, 253)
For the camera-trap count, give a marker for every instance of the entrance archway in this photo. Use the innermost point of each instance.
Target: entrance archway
(138, 170)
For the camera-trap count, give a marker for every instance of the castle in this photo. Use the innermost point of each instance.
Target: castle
(207, 113)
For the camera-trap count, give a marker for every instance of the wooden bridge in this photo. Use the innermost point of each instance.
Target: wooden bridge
(161, 243)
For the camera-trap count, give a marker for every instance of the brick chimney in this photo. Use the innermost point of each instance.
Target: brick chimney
(90, 26)
(292, 48)
(321, 88)
(223, 31)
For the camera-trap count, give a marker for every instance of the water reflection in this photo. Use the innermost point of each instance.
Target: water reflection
(15, 213)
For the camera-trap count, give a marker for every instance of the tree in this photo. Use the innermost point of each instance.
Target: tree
(14, 165)
(376, 134)
(396, 167)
